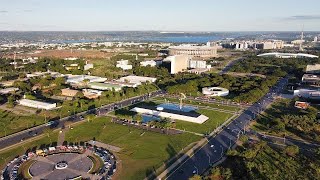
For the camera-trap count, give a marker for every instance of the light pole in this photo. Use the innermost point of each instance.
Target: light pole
(209, 159)
(196, 169)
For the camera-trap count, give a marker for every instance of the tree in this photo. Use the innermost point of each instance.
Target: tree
(292, 150)
(11, 101)
(195, 177)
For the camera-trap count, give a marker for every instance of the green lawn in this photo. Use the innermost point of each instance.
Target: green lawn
(6, 156)
(191, 102)
(14, 123)
(141, 152)
(216, 118)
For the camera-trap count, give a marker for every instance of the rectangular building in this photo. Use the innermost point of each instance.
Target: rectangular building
(69, 92)
(178, 63)
(37, 104)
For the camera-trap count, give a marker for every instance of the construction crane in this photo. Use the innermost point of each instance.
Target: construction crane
(182, 97)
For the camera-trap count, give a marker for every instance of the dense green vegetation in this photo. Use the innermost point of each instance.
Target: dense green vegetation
(273, 66)
(282, 117)
(242, 89)
(257, 160)
(142, 152)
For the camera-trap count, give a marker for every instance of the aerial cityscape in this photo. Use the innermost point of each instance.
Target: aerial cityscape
(159, 90)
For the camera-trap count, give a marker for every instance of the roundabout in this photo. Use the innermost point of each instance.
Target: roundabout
(62, 162)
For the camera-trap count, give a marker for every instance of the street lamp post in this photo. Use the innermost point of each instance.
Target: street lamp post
(196, 169)
(209, 159)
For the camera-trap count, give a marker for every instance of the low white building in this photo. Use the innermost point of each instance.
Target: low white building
(307, 93)
(37, 104)
(124, 65)
(215, 91)
(197, 64)
(8, 90)
(87, 67)
(151, 63)
(76, 79)
(138, 80)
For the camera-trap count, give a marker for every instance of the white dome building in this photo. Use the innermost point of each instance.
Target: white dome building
(215, 91)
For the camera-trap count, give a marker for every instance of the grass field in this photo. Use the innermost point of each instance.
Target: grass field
(213, 105)
(6, 156)
(14, 123)
(216, 118)
(142, 152)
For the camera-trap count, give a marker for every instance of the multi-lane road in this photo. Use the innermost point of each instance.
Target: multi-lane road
(36, 131)
(217, 145)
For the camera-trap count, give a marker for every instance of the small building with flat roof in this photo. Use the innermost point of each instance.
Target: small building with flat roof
(69, 92)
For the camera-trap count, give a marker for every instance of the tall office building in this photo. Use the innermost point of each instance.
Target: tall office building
(176, 64)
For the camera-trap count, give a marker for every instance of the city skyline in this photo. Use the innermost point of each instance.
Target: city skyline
(124, 15)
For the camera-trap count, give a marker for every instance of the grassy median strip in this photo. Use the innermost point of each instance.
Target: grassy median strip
(97, 164)
(24, 169)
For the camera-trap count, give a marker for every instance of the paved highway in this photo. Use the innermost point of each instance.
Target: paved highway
(217, 146)
(35, 131)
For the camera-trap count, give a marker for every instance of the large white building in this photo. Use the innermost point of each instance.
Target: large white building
(124, 65)
(37, 104)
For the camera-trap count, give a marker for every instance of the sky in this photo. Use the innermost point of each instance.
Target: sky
(159, 15)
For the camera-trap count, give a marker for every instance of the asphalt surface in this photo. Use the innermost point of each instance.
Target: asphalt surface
(217, 146)
(35, 131)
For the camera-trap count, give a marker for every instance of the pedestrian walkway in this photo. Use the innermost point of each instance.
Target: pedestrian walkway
(61, 137)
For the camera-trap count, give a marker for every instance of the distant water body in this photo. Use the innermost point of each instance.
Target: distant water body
(165, 39)
(129, 36)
